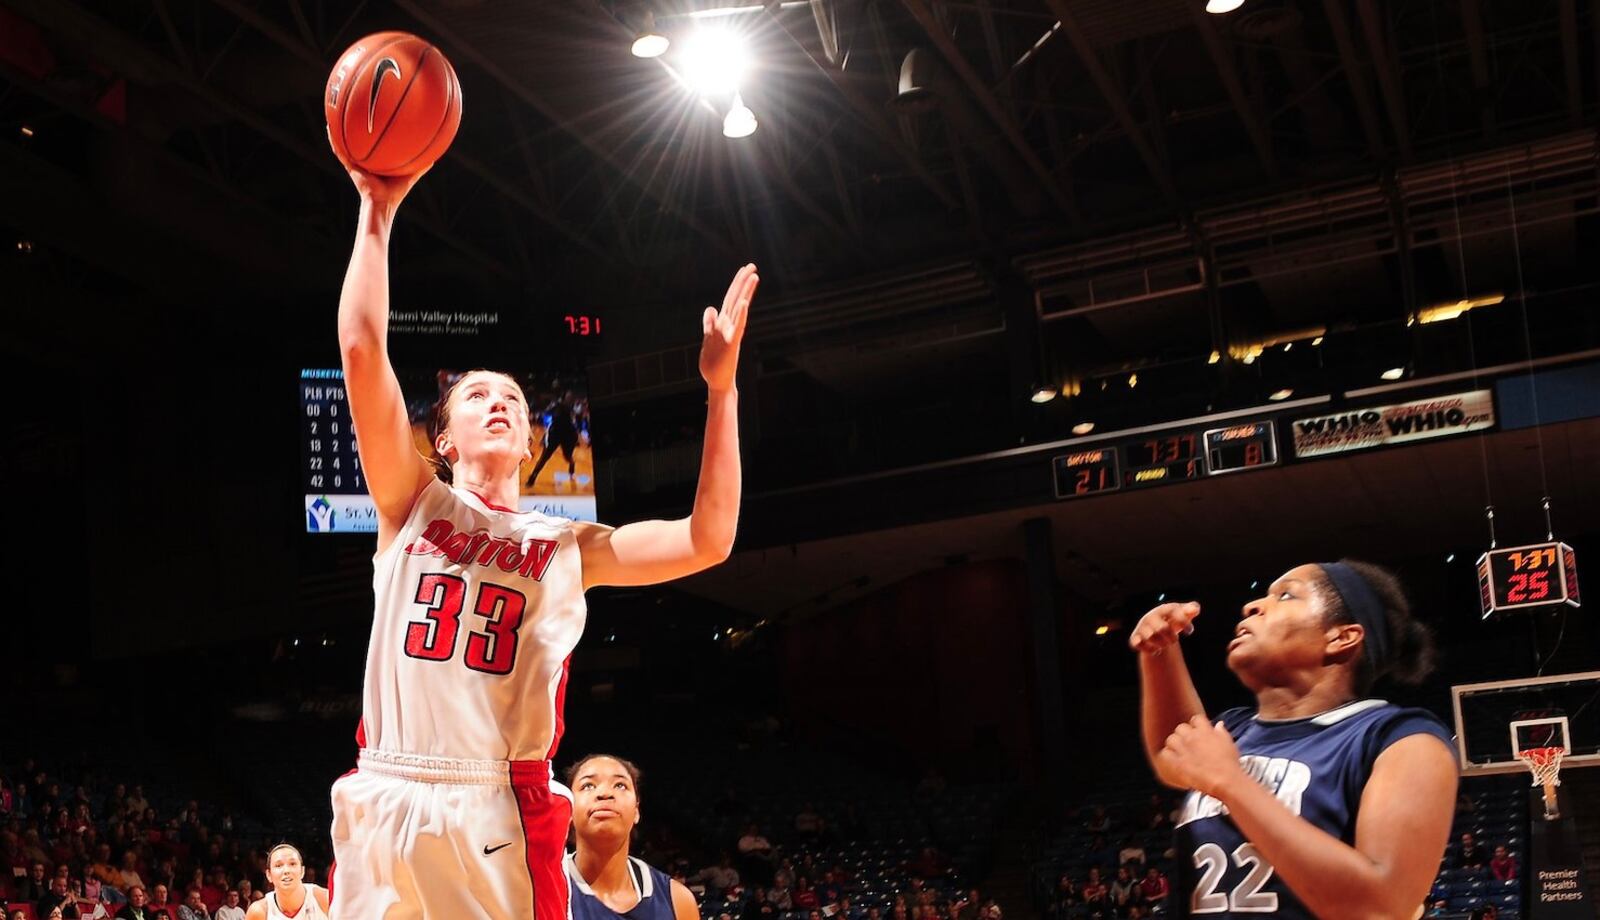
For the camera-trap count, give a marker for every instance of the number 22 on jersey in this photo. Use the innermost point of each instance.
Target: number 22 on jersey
(1246, 897)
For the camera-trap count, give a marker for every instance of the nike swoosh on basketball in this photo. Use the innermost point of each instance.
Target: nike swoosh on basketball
(488, 850)
(385, 66)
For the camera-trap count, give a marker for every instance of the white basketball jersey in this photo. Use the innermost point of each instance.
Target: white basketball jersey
(477, 614)
(308, 911)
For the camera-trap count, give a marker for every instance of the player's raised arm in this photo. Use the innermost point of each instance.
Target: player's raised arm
(1402, 826)
(394, 471)
(1167, 697)
(648, 552)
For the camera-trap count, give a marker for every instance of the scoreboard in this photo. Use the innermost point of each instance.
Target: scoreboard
(1174, 456)
(336, 499)
(335, 486)
(328, 440)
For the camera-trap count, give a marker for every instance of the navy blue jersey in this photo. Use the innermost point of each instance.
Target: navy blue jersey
(1317, 767)
(653, 885)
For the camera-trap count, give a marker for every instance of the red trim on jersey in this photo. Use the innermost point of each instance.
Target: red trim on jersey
(361, 735)
(545, 817)
(489, 504)
(561, 706)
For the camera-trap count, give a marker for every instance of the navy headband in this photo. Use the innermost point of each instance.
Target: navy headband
(1365, 607)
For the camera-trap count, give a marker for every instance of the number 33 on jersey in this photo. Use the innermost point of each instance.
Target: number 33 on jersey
(479, 611)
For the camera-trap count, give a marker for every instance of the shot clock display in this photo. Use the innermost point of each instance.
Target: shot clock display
(1540, 575)
(582, 325)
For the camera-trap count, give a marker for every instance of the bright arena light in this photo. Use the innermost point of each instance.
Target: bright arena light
(1223, 6)
(650, 45)
(714, 60)
(740, 121)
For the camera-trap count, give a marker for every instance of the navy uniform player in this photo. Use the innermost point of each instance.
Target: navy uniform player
(1317, 801)
(607, 882)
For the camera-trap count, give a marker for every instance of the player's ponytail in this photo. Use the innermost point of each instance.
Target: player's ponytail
(1409, 651)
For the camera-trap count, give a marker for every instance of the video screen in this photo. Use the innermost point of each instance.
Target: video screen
(558, 478)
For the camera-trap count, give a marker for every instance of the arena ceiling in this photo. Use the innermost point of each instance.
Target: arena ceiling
(1097, 187)
(582, 167)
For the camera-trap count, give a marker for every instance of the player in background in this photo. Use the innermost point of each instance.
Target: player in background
(452, 812)
(288, 896)
(1317, 801)
(561, 434)
(607, 881)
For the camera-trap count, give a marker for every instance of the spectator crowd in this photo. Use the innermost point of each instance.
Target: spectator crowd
(82, 847)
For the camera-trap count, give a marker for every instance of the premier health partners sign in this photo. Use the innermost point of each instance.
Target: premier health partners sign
(1402, 423)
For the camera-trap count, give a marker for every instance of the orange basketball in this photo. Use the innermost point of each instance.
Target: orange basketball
(393, 104)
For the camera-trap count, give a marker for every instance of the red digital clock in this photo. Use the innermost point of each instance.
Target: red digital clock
(1543, 575)
(582, 324)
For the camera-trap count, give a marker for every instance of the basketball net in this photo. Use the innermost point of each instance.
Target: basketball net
(1545, 762)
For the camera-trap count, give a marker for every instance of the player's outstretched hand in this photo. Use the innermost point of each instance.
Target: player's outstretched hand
(1199, 755)
(723, 330)
(384, 190)
(1162, 626)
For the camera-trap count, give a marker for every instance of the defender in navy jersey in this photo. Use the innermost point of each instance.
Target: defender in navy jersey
(1317, 801)
(607, 881)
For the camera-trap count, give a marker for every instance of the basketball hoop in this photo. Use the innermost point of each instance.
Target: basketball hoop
(1545, 763)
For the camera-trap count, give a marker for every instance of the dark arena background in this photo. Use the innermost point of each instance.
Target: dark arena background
(1068, 308)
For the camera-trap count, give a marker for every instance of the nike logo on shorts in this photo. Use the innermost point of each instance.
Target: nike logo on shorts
(489, 850)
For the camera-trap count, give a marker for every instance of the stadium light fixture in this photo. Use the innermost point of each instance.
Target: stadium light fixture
(714, 60)
(1043, 395)
(1393, 373)
(740, 121)
(1082, 428)
(651, 43)
(1218, 7)
(1281, 395)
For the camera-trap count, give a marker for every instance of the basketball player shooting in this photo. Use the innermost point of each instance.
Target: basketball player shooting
(452, 812)
(1317, 801)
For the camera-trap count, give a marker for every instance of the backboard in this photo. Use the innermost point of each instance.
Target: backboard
(1497, 719)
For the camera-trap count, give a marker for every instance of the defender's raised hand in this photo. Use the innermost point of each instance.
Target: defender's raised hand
(1162, 626)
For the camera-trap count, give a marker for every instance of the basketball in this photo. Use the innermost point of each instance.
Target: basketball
(393, 104)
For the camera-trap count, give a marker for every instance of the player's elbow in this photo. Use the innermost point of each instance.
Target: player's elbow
(712, 543)
(716, 554)
(1384, 901)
